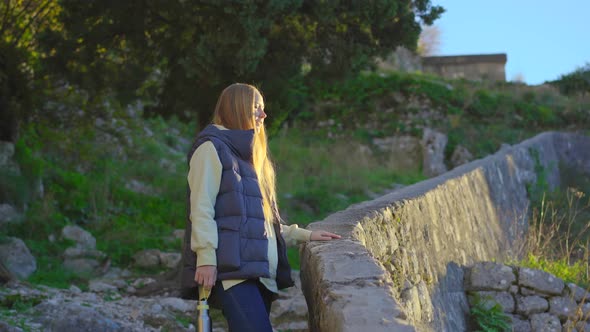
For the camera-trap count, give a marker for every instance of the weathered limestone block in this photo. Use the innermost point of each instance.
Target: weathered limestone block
(81, 266)
(578, 293)
(490, 276)
(545, 322)
(527, 305)
(76, 252)
(16, 257)
(170, 259)
(82, 259)
(425, 302)
(433, 150)
(407, 146)
(82, 237)
(380, 236)
(6, 152)
(531, 292)
(461, 156)
(569, 326)
(414, 274)
(354, 293)
(540, 281)
(402, 261)
(562, 307)
(504, 299)
(586, 311)
(8, 214)
(519, 324)
(576, 326)
(387, 316)
(426, 268)
(147, 258)
(411, 302)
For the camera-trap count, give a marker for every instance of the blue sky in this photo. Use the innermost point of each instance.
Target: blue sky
(543, 39)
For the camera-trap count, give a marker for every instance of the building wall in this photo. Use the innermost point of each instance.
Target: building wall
(472, 67)
(470, 71)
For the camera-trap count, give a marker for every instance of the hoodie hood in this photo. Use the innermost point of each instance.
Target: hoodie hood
(239, 141)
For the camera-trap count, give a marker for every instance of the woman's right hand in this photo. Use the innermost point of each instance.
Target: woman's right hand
(206, 275)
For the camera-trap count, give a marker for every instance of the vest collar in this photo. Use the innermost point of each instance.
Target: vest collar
(239, 141)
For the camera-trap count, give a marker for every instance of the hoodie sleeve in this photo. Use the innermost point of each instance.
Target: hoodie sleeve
(294, 235)
(204, 179)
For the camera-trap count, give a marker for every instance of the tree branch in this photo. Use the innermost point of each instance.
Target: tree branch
(41, 10)
(5, 19)
(24, 10)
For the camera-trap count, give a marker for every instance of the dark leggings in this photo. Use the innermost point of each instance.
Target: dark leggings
(246, 307)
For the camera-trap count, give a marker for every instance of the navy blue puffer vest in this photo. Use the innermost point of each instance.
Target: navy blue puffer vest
(242, 251)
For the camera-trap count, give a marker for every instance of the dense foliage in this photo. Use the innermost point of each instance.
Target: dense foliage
(576, 82)
(176, 56)
(21, 69)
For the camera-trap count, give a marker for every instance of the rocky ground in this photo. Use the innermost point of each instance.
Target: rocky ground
(118, 300)
(108, 306)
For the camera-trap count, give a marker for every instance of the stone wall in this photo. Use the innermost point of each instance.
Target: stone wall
(398, 266)
(473, 67)
(532, 300)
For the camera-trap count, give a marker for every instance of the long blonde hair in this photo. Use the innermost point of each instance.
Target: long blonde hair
(235, 110)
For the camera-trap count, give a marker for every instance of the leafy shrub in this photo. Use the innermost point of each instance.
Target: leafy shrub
(489, 316)
(576, 82)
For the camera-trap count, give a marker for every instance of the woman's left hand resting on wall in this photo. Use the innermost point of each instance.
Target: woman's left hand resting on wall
(323, 236)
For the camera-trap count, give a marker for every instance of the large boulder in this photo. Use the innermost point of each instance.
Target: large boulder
(16, 257)
(6, 152)
(153, 258)
(83, 258)
(433, 150)
(540, 281)
(82, 237)
(461, 156)
(8, 214)
(149, 258)
(405, 151)
(490, 276)
(7, 163)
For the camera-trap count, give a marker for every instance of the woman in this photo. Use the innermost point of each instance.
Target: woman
(235, 228)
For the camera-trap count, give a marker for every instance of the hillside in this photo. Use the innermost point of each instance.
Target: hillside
(110, 172)
(122, 178)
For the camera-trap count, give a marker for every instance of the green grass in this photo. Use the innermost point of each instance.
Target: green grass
(569, 272)
(85, 184)
(559, 234)
(317, 177)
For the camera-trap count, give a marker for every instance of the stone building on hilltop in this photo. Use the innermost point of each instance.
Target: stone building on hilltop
(477, 67)
(473, 67)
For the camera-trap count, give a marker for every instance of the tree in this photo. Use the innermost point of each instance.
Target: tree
(576, 82)
(20, 23)
(429, 41)
(181, 54)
